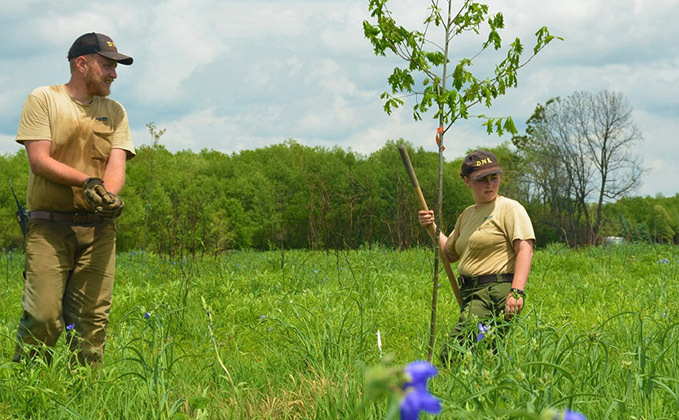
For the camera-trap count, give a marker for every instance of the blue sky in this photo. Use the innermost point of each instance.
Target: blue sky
(239, 74)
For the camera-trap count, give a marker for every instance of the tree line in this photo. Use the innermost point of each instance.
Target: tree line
(293, 196)
(289, 195)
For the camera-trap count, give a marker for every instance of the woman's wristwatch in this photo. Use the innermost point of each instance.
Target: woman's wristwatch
(516, 293)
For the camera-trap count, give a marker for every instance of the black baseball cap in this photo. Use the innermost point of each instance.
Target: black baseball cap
(94, 43)
(480, 163)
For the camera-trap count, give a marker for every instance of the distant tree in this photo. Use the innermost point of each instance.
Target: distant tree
(582, 150)
(555, 173)
(660, 225)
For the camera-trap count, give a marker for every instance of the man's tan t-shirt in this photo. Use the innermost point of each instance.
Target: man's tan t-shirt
(82, 136)
(483, 237)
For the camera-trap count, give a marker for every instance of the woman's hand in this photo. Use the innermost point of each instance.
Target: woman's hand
(425, 217)
(513, 306)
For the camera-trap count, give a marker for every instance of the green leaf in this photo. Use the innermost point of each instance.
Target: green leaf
(509, 126)
(493, 38)
(391, 102)
(436, 58)
(489, 125)
(498, 126)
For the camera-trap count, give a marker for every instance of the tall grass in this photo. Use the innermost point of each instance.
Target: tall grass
(598, 335)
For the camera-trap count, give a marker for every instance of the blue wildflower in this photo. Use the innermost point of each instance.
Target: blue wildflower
(664, 261)
(147, 315)
(262, 317)
(482, 332)
(134, 252)
(417, 397)
(70, 327)
(570, 415)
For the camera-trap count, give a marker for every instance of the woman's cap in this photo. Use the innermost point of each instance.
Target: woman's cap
(94, 43)
(480, 163)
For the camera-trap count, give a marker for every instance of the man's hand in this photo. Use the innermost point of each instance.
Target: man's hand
(105, 204)
(112, 207)
(94, 191)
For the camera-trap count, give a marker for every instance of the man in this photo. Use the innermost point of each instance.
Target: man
(77, 142)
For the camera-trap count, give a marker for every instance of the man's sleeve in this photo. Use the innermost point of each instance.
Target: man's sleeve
(122, 138)
(34, 121)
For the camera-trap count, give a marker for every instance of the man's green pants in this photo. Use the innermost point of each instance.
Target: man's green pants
(68, 285)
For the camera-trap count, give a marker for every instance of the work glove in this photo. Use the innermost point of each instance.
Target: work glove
(112, 206)
(106, 204)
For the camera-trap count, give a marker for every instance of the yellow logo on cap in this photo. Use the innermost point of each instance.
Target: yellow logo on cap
(483, 161)
(111, 44)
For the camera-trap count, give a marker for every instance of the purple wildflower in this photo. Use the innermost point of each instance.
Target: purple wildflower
(570, 415)
(482, 332)
(417, 396)
(147, 315)
(70, 327)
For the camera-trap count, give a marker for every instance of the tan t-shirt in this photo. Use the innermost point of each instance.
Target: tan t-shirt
(483, 237)
(82, 137)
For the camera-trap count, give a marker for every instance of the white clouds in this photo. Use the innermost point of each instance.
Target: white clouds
(243, 20)
(659, 155)
(177, 43)
(195, 131)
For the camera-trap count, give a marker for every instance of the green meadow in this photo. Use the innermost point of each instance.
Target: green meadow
(240, 337)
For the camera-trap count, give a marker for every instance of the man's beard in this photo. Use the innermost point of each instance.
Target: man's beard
(95, 85)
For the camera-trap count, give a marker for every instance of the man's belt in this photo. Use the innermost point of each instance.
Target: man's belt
(486, 278)
(73, 218)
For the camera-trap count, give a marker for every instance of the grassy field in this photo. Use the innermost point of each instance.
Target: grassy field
(598, 335)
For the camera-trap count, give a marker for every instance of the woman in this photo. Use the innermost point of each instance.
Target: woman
(493, 242)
